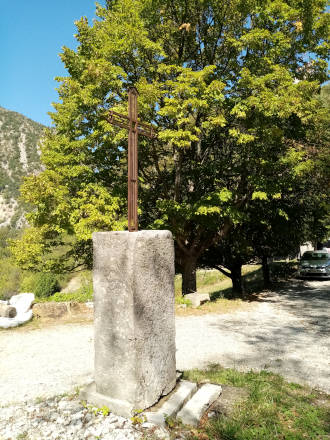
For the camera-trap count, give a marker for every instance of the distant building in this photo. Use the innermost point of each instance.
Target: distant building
(326, 245)
(304, 248)
(309, 247)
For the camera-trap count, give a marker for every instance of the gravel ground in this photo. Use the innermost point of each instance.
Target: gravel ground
(66, 419)
(286, 332)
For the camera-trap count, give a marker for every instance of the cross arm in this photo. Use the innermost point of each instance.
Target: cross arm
(123, 121)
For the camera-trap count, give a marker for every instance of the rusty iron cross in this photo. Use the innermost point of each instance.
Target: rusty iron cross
(134, 127)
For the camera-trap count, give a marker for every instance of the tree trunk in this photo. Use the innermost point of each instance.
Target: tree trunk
(189, 276)
(178, 170)
(266, 271)
(237, 281)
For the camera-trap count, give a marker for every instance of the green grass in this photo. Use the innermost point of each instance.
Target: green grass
(274, 409)
(83, 294)
(205, 278)
(208, 281)
(218, 285)
(67, 297)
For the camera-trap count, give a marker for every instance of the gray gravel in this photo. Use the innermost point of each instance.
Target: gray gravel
(44, 362)
(66, 418)
(287, 332)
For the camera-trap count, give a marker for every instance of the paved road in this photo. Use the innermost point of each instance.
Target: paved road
(286, 332)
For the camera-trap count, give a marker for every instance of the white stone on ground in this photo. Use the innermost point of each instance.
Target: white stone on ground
(194, 409)
(197, 299)
(174, 403)
(22, 304)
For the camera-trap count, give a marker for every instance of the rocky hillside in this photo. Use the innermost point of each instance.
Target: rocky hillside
(19, 156)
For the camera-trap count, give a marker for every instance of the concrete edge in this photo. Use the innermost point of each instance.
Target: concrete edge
(173, 405)
(195, 408)
(118, 407)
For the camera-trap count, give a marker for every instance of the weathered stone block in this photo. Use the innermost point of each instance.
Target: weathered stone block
(133, 281)
(173, 404)
(51, 310)
(7, 311)
(194, 409)
(81, 309)
(65, 310)
(197, 298)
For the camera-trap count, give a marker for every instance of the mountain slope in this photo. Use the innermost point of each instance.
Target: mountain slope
(19, 157)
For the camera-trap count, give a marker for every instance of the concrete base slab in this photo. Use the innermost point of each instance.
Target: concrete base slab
(186, 403)
(173, 404)
(118, 407)
(194, 409)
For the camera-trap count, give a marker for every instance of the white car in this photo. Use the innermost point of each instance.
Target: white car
(315, 264)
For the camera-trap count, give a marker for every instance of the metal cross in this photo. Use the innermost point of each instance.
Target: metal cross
(134, 127)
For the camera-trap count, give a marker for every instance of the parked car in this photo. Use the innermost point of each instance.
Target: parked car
(315, 264)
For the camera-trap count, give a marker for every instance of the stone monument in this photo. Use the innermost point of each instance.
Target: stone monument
(133, 281)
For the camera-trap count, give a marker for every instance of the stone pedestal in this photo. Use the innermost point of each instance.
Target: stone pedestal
(133, 281)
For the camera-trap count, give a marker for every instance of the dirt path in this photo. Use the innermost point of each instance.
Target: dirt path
(286, 332)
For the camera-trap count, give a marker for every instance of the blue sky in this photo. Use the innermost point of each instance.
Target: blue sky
(32, 33)
(31, 36)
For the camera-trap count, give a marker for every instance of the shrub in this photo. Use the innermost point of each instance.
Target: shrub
(84, 294)
(46, 285)
(87, 288)
(29, 281)
(9, 279)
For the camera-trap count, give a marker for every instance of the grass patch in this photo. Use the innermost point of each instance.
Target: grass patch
(180, 300)
(218, 286)
(79, 296)
(83, 294)
(274, 410)
(206, 280)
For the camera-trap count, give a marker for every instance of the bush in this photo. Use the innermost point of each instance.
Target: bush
(46, 285)
(84, 294)
(29, 281)
(9, 279)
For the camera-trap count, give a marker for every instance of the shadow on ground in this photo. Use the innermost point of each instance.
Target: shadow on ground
(253, 285)
(287, 332)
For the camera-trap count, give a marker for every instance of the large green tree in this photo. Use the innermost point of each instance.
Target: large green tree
(271, 228)
(219, 80)
(278, 225)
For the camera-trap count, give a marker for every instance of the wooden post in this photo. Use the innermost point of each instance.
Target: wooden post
(133, 160)
(134, 126)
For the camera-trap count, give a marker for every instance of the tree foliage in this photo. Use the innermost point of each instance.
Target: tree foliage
(230, 87)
